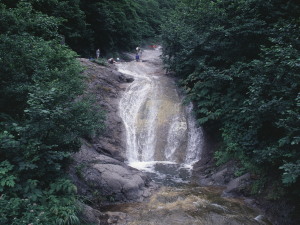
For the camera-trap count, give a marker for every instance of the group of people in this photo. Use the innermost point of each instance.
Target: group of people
(112, 61)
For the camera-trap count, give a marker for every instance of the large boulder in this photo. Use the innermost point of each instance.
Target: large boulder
(90, 215)
(238, 185)
(101, 178)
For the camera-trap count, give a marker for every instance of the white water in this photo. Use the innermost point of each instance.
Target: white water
(159, 128)
(163, 140)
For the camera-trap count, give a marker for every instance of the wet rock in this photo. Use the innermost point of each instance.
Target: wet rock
(129, 80)
(118, 218)
(220, 176)
(90, 215)
(125, 79)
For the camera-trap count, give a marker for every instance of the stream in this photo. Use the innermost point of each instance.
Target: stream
(163, 140)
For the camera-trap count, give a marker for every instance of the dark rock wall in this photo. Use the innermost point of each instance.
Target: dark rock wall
(207, 173)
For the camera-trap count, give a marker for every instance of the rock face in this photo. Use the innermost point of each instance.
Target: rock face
(98, 169)
(237, 184)
(90, 215)
(101, 178)
(107, 84)
(206, 173)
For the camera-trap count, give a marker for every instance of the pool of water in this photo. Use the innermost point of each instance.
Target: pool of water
(188, 205)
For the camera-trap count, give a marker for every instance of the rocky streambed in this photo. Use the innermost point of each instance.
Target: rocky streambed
(185, 205)
(115, 193)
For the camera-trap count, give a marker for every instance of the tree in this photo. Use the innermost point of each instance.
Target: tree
(239, 63)
(42, 119)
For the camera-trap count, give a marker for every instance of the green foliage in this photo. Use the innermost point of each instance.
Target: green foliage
(100, 61)
(258, 186)
(6, 179)
(79, 168)
(44, 113)
(56, 205)
(86, 25)
(291, 172)
(239, 63)
(24, 19)
(123, 24)
(73, 27)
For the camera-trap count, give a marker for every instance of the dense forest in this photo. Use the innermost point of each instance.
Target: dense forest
(44, 111)
(239, 62)
(108, 25)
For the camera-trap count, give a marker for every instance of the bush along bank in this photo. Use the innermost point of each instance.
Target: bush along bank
(42, 119)
(239, 63)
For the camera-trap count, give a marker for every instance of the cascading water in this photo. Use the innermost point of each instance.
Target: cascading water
(163, 140)
(195, 138)
(160, 129)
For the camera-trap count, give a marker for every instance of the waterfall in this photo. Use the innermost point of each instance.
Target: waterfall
(164, 141)
(195, 138)
(159, 127)
(134, 96)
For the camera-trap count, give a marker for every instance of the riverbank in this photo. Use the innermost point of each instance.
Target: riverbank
(207, 173)
(99, 170)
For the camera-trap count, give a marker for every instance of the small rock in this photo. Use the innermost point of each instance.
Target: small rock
(146, 193)
(129, 80)
(116, 217)
(234, 186)
(90, 215)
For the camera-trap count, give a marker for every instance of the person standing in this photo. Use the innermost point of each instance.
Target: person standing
(138, 54)
(137, 57)
(98, 53)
